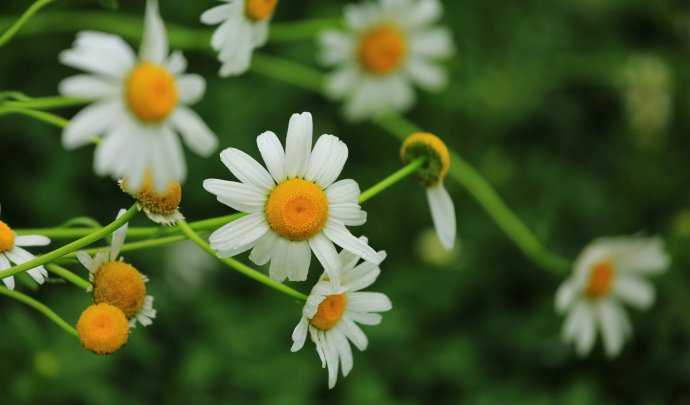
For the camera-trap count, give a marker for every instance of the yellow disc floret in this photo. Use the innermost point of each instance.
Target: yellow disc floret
(151, 92)
(424, 144)
(600, 279)
(6, 237)
(103, 328)
(120, 284)
(297, 209)
(330, 311)
(260, 10)
(382, 50)
(152, 201)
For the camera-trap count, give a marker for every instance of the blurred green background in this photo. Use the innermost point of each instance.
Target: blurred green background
(577, 111)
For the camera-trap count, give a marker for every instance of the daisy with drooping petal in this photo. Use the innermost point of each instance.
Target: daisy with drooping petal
(609, 272)
(11, 251)
(332, 312)
(391, 45)
(431, 175)
(161, 207)
(118, 283)
(295, 207)
(140, 104)
(243, 28)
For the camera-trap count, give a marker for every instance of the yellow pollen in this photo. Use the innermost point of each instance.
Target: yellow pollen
(600, 279)
(297, 209)
(259, 10)
(103, 328)
(6, 237)
(330, 311)
(154, 202)
(432, 147)
(151, 92)
(382, 49)
(120, 284)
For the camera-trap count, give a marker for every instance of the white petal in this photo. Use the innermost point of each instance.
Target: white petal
(239, 233)
(327, 255)
(89, 87)
(216, 15)
(613, 322)
(273, 154)
(236, 54)
(239, 196)
(344, 351)
(354, 333)
(565, 296)
(5, 264)
(299, 335)
(118, 238)
(90, 122)
(86, 260)
(176, 63)
(100, 53)
(341, 82)
(349, 214)
(425, 12)
(341, 236)
(634, 290)
(336, 47)
(361, 276)
(327, 160)
(31, 240)
(434, 43)
(198, 137)
(332, 359)
(365, 318)
(427, 75)
(368, 302)
(154, 44)
(579, 326)
(111, 149)
(259, 34)
(298, 144)
(167, 160)
(316, 338)
(20, 256)
(263, 250)
(343, 191)
(246, 169)
(298, 260)
(191, 88)
(443, 214)
(279, 259)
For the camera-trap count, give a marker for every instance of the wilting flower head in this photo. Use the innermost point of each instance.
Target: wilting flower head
(140, 103)
(118, 283)
(161, 207)
(103, 328)
(243, 28)
(609, 272)
(390, 45)
(431, 175)
(11, 252)
(295, 207)
(333, 311)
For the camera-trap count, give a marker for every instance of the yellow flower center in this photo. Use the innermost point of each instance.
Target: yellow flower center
(154, 202)
(330, 311)
(120, 284)
(297, 209)
(382, 49)
(151, 92)
(600, 279)
(6, 237)
(259, 10)
(424, 144)
(103, 328)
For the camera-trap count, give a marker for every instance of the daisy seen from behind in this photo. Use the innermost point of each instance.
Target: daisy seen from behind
(389, 46)
(140, 105)
(295, 207)
(332, 312)
(610, 272)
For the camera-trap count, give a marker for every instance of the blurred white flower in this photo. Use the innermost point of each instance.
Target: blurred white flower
(188, 266)
(11, 252)
(243, 28)
(140, 103)
(608, 273)
(389, 46)
(295, 207)
(332, 312)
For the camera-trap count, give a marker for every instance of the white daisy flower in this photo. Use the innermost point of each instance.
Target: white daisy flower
(609, 272)
(431, 175)
(243, 28)
(118, 283)
(332, 312)
(11, 251)
(140, 103)
(295, 207)
(390, 45)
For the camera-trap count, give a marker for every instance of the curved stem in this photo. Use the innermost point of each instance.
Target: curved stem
(44, 103)
(39, 115)
(49, 313)
(71, 247)
(407, 170)
(12, 30)
(69, 276)
(238, 266)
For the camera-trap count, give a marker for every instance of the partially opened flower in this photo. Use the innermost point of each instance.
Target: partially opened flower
(390, 46)
(140, 105)
(102, 328)
(118, 283)
(11, 252)
(295, 207)
(332, 312)
(431, 175)
(243, 28)
(608, 273)
(161, 207)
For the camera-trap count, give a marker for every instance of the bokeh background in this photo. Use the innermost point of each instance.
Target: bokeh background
(575, 110)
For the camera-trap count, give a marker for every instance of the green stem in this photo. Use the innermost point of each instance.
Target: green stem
(39, 115)
(144, 244)
(45, 103)
(301, 30)
(40, 308)
(69, 276)
(14, 28)
(391, 180)
(238, 266)
(71, 247)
